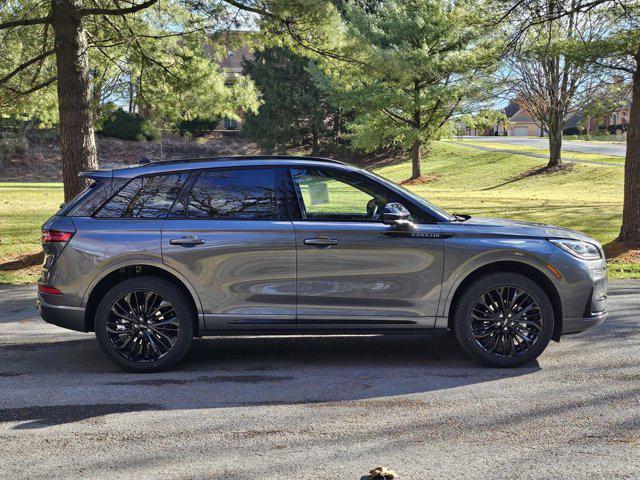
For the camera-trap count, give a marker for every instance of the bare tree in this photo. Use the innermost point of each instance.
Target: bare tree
(548, 79)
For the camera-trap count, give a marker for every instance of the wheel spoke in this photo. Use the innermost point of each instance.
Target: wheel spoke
(162, 323)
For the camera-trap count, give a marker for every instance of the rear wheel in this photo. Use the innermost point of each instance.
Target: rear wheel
(504, 320)
(144, 324)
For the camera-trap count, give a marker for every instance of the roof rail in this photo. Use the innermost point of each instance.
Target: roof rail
(246, 157)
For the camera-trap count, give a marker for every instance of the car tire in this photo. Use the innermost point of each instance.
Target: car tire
(162, 337)
(491, 325)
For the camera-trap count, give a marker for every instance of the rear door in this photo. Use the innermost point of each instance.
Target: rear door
(231, 236)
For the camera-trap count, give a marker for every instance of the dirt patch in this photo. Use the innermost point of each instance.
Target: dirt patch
(534, 172)
(41, 162)
(621, 252)
(421, 180)
(22, 262)
(546, 170)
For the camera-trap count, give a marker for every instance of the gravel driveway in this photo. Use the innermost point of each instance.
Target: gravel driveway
(602, 148)
(319, 407)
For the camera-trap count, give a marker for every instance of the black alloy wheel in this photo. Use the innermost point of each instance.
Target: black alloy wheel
(506, 321)
(142, 326)
(145, 324)
(503, 319)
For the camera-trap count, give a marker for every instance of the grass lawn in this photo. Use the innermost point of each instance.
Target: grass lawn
(566, 154)
(464, 180)
(597, 138)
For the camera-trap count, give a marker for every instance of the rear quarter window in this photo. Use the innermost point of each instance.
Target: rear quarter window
(144, 197)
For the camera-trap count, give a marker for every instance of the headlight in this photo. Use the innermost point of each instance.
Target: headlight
(578, 248)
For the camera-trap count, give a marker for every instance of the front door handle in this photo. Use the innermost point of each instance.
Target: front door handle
(320, 242)
(187, 241)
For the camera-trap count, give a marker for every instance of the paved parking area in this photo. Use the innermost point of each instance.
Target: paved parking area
(319, 407)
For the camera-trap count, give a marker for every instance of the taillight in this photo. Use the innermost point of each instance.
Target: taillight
(54, 236)
(49, 290)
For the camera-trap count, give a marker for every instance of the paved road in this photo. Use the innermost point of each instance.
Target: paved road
(603, 148)
(319, 408)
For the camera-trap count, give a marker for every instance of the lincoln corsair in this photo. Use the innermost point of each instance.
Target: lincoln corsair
(151, 256)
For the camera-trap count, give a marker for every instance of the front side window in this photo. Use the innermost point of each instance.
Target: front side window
(342, 196)
(243, 194)
(144, 197)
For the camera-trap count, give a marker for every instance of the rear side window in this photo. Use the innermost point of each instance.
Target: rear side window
(81, 197)
(144, 197)
(243, 194)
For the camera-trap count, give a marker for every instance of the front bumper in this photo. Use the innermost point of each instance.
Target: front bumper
(72, 318)
(577, 325)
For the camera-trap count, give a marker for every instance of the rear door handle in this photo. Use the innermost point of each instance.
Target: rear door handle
(320, 242)
(187, 241)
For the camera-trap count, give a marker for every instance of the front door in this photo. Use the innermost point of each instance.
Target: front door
(232, 238)
(352, 273)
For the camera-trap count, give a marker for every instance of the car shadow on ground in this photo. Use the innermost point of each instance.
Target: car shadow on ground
(79, 383)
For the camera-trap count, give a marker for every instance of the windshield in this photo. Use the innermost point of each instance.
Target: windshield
(416, 198)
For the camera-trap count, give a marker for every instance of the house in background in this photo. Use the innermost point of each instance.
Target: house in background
(519, 123)
(235, 43)
(614, 122)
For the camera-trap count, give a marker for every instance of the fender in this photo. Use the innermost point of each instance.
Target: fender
(151, 262)
(451, 284)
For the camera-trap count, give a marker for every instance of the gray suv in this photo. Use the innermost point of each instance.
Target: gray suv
(151, 256)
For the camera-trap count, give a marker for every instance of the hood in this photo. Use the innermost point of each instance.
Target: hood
(502, 226)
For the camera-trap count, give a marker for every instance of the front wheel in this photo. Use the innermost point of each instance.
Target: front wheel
(144, 324)
(504, 320)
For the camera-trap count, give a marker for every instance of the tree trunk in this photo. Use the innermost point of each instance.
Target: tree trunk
(315, 141)
(77, 141)
(315, 135)
(415, 159)
(630, 231)
(555, 142)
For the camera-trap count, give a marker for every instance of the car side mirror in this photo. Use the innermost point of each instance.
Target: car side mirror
(396, 215)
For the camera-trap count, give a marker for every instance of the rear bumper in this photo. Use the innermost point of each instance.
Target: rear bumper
(62, 316)
(577, 325)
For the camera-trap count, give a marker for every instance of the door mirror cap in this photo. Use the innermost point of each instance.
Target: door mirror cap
(396, 215)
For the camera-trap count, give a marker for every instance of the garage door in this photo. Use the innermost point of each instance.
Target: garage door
(520, 131)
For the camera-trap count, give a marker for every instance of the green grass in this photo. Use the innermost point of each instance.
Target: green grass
(566, 154)
(597, 138)
(467, 180)
(23, 209)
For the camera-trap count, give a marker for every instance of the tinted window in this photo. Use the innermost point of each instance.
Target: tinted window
(336, 195)
(249, 194)
(144, 197)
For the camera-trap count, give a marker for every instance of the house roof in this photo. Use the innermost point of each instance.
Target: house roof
(521, 115)
(511, 109)
(573, 120)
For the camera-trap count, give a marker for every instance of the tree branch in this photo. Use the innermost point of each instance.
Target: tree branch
(19, 68)
(117, 11)
(25, 22)
(35, 88)
(249, 8)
